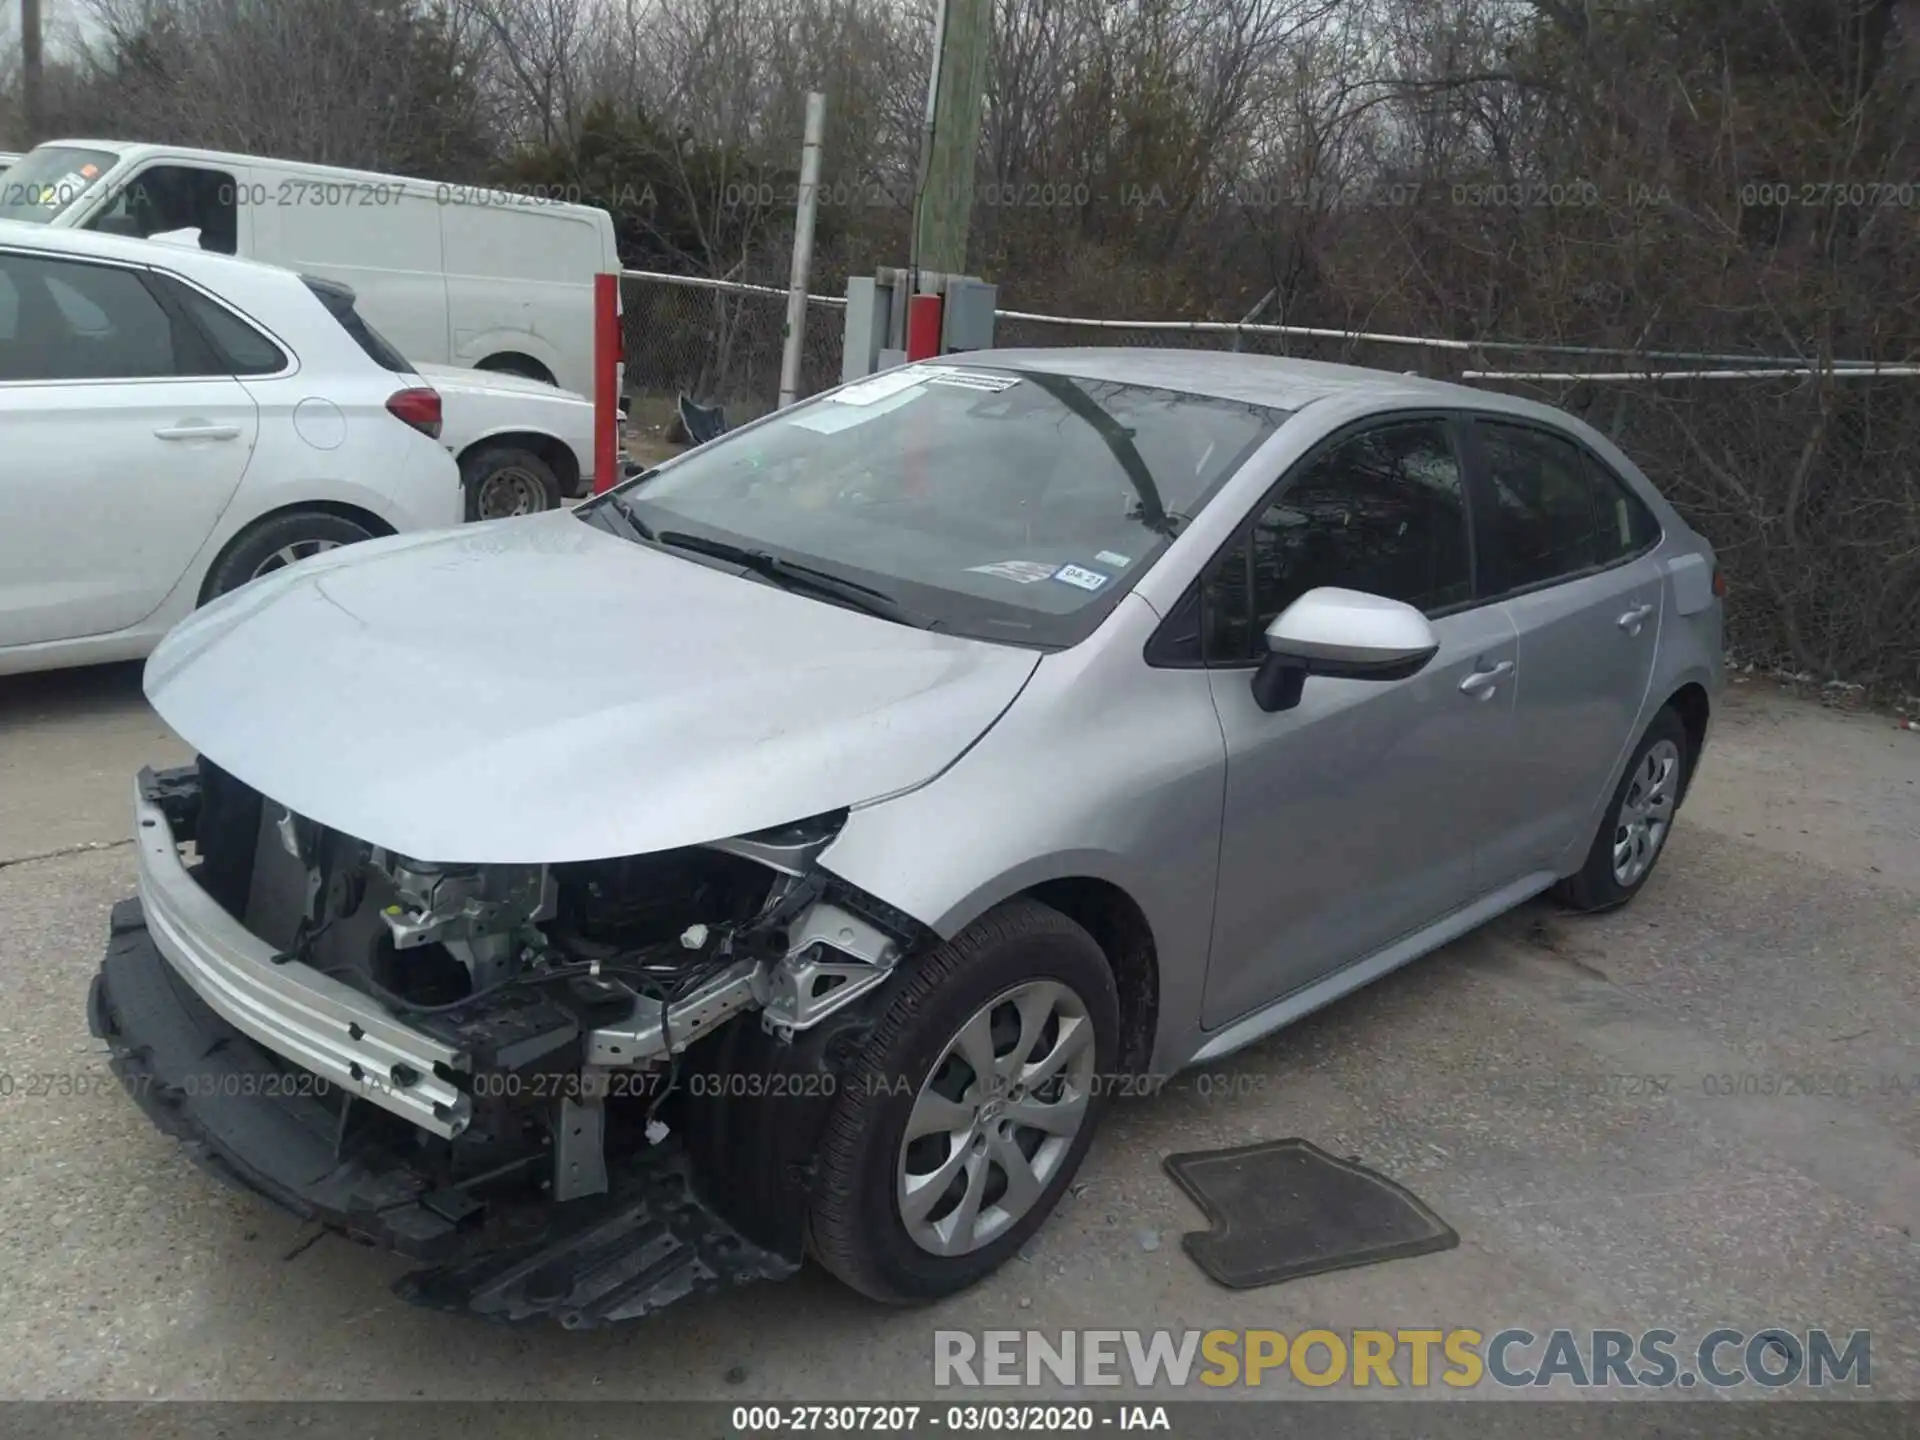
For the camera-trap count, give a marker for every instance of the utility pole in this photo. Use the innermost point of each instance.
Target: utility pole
(956, 96)
(31, 100)
(802, 247)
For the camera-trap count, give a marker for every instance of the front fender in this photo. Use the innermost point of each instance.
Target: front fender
(1103, 769)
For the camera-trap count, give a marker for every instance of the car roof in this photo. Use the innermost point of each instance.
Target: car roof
(91, 244)
(1282, 382)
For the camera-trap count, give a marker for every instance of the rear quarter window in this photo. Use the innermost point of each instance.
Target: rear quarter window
(339, 303)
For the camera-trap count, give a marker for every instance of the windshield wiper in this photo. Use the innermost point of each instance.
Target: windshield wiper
(1119, 440)
(614, 503)
(792, 575)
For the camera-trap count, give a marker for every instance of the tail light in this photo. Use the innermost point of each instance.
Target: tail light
(418, 407)
(1719, 584)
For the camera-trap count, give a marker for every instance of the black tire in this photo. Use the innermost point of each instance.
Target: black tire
(491, 465)
(297, 531)
(1596, 886)
(854, 1226)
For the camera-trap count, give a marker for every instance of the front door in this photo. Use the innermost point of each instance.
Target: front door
(1354, 818)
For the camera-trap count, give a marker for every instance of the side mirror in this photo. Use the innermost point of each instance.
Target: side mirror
(1346, 634)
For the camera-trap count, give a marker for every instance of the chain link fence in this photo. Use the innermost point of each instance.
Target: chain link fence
(719, 343)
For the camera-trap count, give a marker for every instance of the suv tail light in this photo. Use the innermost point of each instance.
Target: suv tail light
(419, 407)
(1719, 584)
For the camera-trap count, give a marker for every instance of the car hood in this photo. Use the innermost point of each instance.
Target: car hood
(479, 381)
(538, 690)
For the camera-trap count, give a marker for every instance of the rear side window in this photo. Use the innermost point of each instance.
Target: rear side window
(74, 321)
(1555, 511)
(339, 302)
(240, 348)
(1384, 512)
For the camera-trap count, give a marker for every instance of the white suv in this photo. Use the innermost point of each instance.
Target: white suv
(178, 422)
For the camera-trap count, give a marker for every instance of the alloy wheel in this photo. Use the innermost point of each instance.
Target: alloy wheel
(996, 1117)
(1646, 813)
(287, 554)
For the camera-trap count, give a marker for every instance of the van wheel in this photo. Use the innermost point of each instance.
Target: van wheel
(1638, 822)
(970, 1107)
(503, 480)
(277, 543)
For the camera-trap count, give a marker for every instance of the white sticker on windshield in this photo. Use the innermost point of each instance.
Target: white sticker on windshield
(1085, 579)
(1119, 562)
(969, 379)
(827, 420)
(879, 387)
(1021, 572)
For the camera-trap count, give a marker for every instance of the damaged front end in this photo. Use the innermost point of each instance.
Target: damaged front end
(581, 1090)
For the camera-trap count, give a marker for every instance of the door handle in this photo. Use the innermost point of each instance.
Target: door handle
(198, 432)
(1634, 619)
(1482, 683)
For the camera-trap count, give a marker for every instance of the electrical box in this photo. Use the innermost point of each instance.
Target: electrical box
(867, 311)
(967, 314)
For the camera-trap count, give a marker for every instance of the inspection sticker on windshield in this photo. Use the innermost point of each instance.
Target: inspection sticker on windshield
(1119, 562)
(1021, 572)
(824, 420)
(1085, 579)
(879, 387)
(968, 379)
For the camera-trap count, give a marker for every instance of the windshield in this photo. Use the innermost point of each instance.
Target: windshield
(45, 182)
(1010, 505)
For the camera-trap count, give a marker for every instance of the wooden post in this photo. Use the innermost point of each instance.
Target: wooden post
(957, 95)
(32, 91)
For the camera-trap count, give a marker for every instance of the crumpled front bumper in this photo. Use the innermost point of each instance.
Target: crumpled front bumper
(311, 1019)
(650, 1240)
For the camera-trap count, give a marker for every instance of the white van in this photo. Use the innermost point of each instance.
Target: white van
(451, 274)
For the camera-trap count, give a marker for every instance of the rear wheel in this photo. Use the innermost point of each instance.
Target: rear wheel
(1638, 820)
(970, 1109)
(279, 542)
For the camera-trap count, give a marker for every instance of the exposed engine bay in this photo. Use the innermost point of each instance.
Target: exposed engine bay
(611, 1021)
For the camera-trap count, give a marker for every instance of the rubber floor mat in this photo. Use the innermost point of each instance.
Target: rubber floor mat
(1286, 1208)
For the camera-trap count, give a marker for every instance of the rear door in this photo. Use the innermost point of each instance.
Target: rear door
(124, 441)
(1569, 549)
(1356, 817)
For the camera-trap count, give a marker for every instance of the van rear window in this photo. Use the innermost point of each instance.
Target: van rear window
(339, 300)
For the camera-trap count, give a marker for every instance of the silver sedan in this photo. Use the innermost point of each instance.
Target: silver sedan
(864, 797)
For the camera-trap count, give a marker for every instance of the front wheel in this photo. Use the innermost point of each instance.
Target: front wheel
(970, 1109)
(504, 480)
(1638, 821)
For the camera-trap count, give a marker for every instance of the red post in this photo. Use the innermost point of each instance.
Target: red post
(608, 349)
(923, 327)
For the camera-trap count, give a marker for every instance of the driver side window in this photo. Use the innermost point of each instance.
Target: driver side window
(175, 197)
(1383, 511)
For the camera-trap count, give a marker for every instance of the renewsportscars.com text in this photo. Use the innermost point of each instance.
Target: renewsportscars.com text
(1459, 1359)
